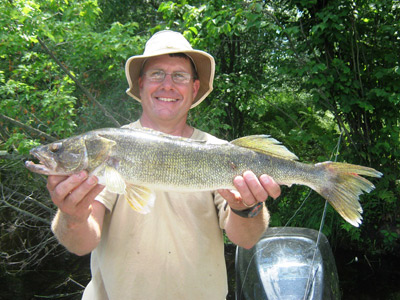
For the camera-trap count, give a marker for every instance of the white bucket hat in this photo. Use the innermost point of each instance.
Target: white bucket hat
(166, 42)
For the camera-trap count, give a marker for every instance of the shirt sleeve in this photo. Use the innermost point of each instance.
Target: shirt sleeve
(223, 212)
(108, 199)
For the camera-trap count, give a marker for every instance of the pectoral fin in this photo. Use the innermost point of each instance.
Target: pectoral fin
(113, 180)
(140, 198)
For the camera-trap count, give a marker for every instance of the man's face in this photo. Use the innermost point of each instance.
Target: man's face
(167, 100)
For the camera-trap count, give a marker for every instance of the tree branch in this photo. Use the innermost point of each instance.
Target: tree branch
(26, 213)
(40, 204)
(28, 128)
(77, 82)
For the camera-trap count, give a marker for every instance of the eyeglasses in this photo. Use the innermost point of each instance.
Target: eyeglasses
(159, 76)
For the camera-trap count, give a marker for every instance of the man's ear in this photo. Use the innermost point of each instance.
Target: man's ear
(196, 87)
(140, 81)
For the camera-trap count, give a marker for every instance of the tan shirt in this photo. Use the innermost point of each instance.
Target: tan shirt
(174, 252)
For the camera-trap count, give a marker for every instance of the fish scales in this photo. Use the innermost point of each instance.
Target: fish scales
(170, 163)
(136, 162)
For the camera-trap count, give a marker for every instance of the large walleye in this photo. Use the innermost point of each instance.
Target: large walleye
(136, 162)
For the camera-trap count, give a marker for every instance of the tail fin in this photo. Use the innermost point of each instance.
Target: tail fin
(343, 186)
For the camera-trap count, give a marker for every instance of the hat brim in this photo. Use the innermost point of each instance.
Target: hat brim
(203, 61)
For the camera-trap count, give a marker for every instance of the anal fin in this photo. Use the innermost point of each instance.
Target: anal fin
(140, 198)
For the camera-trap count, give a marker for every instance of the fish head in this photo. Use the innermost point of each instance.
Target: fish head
(63, 157)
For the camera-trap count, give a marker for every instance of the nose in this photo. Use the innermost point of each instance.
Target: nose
(168, 80)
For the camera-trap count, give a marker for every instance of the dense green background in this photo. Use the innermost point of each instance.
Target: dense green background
(323, 77)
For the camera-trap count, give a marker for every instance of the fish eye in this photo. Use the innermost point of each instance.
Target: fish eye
(55, 147)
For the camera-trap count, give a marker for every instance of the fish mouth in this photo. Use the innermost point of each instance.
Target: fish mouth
(45, 166)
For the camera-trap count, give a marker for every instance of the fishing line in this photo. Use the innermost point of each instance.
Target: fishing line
(298, 209)
(286, 225)
(311, 275)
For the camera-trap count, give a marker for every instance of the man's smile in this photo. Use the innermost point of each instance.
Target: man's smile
(166, 99)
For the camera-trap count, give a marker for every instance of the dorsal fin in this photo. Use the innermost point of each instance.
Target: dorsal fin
(266, 145)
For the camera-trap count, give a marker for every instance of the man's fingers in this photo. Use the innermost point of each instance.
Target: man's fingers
(80, 192)
(241, 185)
(226, 195)
(77, 203)
(273, 189)
(54, 180)
(253, 190)
(64, 188)
(90, 196)
(230, 195)
(258, 191)
(75, 192)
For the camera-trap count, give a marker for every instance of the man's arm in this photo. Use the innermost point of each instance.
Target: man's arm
(79, 219)
(245, 232)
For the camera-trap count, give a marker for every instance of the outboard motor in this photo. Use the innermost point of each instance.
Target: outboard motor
(288, 263)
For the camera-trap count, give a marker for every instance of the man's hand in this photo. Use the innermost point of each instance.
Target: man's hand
(245, 232)
(250, 190)
(74, 194)
(78, 222)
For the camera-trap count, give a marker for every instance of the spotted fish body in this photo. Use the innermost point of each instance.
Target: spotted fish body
(136, 162)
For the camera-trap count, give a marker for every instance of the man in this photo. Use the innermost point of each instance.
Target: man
(175, 251)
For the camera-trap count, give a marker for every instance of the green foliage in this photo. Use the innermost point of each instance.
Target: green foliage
(34, 92)
(353, 74)
(320, 76)
(20, 143)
